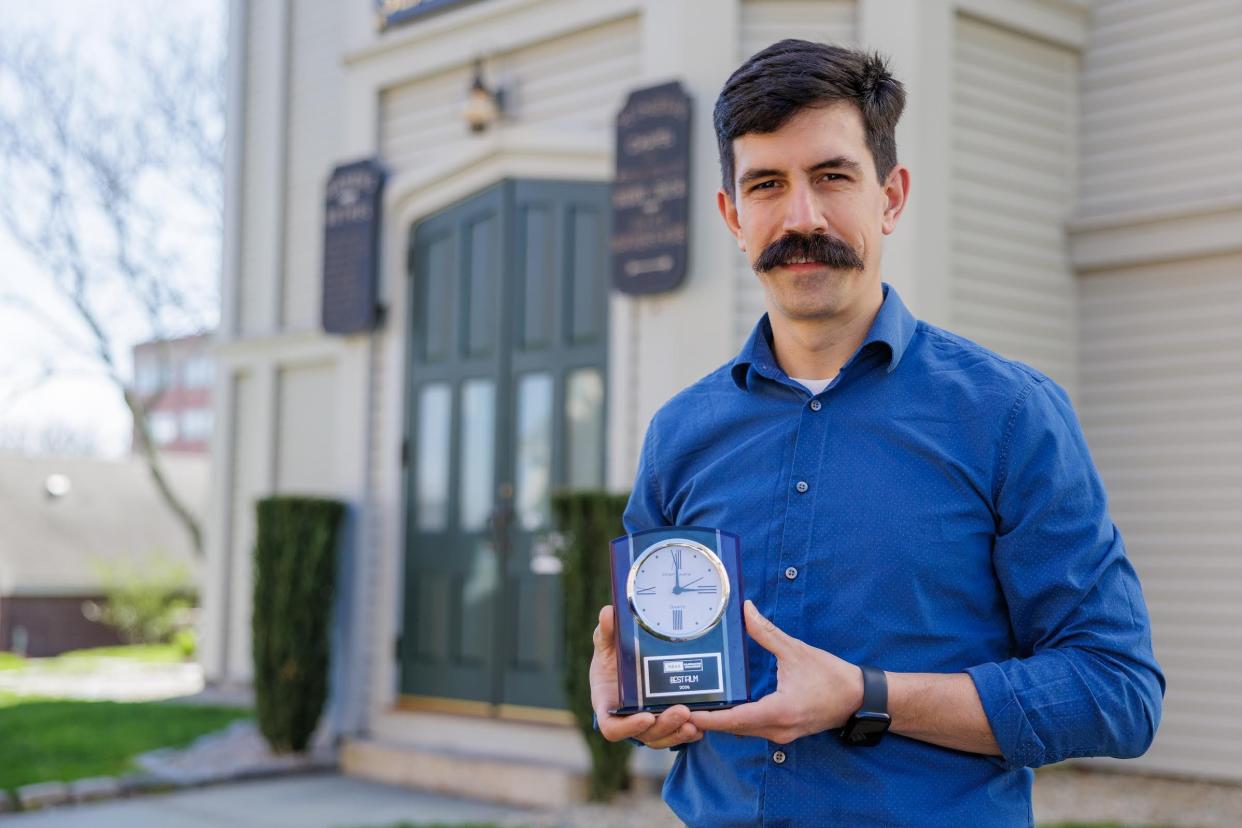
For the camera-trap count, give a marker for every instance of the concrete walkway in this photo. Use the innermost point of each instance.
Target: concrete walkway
(105, 679)
(327, 801)
(333, 801)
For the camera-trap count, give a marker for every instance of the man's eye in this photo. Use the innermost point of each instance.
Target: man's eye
(834, 177)
(762, 185)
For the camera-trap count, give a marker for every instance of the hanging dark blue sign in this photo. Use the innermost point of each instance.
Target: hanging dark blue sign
(651, 190)
(351, 222)
(392, 12)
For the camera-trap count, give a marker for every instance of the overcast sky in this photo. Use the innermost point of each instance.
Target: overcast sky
(76, 398)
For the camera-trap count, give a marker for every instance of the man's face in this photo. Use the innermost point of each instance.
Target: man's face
(810, 191)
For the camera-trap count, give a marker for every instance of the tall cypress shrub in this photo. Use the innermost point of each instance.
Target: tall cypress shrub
(294, 575)
(588, 520)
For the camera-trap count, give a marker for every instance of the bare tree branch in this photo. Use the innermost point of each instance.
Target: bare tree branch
(100, 175)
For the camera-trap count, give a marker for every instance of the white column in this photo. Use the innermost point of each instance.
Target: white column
(217, 548)
(917, 36)
(662, 343)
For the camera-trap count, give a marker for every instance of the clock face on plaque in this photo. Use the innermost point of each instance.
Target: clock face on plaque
(678, 589)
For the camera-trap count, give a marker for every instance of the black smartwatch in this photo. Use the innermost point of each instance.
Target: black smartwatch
(868, 724)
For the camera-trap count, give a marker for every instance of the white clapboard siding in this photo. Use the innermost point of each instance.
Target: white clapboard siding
(574, 82)
(316, 89)
(764, 22)
(1162, 108)
(1014, 126)
(1161, 404)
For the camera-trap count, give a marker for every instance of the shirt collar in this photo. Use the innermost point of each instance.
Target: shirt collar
(893, 327)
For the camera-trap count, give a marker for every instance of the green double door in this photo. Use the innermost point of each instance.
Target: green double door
(506, 401)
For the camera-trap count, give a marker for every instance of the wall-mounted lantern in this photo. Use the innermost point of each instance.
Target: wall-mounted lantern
(483, 105)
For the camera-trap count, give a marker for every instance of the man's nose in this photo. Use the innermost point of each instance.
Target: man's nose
(802, 213)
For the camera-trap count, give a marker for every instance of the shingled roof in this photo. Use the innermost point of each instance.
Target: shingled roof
(111, 511)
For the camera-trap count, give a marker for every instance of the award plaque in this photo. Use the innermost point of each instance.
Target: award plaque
(677, 591)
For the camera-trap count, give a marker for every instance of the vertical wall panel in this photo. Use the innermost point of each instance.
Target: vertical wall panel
(315, 98)
(1162, 114)
(250, 455)
(1014, 127)
(260, 201)
(1162, 409)
(764, 22)
(305, 434)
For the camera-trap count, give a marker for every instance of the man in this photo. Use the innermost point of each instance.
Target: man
(913, 509)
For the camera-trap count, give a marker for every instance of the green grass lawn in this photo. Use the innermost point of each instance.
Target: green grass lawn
(163, 653)
(55, 739)
(11, 661)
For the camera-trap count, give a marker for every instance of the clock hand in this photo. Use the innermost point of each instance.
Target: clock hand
(686, 586)
(676, 573)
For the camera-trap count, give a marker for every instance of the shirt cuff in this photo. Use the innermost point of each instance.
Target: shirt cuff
(1019, 744)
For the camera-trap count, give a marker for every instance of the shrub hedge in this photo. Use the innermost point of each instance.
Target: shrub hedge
(588, 520)
(294, 582)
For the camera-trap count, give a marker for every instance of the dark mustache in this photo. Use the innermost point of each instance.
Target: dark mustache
(814, 247)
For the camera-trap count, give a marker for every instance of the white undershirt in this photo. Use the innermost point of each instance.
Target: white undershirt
(815, 386)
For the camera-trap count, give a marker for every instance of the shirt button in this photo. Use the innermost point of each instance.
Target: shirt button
(802, 486)
(816, 405)
(791, 572)
(779, 757)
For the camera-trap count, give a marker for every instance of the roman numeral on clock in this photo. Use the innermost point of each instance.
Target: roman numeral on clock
(645, 591)
(677, 619)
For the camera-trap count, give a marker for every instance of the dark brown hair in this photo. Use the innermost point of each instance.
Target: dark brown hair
(773, 85)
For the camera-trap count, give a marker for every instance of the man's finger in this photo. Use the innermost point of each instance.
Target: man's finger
(616, 728)
(666, 724)
(743, 720)
(685, 734)
(766, 634)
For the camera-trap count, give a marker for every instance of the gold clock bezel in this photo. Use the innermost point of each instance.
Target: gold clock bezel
(712, 558)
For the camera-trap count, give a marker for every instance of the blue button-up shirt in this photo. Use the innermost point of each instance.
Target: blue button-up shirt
(938, 512)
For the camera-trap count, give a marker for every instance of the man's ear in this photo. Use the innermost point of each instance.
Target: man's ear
(728, 212)
(896, 194)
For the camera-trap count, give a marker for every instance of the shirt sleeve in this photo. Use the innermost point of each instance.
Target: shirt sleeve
(1083, 680)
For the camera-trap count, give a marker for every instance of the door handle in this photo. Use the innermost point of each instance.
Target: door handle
(545, 556)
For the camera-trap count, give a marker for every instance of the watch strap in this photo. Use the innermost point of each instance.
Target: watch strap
(875, 690)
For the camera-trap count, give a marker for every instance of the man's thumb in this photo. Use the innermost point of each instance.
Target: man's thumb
(602, 638)
(765, 633)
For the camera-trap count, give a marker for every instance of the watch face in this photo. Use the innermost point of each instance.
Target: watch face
(678, 589)
(866, 728)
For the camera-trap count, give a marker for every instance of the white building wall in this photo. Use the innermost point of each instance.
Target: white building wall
(286, 403)
(1157, 240)
(574, 83)
(762, 23)
(1014, 121)
(1162, 114)
(316, 87)
(1162, 410)
(1125, 313)
(263, 163)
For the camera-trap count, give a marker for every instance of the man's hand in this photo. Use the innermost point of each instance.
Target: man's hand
(671, 727)
(815, 690)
